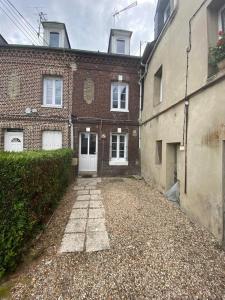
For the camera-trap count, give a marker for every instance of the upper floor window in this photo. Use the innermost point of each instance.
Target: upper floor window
(53, 90)
(54, 39)
(158, 86)
(221, 19)
(166, 13)
(120, 46)
(119, 96)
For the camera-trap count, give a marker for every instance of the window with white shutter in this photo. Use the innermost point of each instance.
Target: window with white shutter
(51, 140)
(53, 92)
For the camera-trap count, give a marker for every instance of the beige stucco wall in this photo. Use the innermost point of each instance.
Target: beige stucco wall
(206, 131)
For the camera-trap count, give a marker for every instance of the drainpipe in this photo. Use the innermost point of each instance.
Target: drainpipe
(140, 115)
(71, 132)
(186, 109)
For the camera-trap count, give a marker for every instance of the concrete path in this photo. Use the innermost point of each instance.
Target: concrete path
(85, 230)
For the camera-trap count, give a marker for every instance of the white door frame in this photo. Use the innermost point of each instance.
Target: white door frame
(9, 136)
(91, 163)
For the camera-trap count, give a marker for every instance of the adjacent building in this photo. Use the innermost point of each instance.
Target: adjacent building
(54, 96)
(183, 111)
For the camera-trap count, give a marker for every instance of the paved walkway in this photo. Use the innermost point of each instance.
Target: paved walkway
(85, 230)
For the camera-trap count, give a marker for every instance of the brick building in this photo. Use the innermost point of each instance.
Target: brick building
(54, 96)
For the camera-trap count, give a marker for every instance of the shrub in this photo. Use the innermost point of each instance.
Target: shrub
(31, 185)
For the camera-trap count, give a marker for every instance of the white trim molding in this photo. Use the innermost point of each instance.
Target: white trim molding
(52, 91)
(119, 161)
(120, 86)
(220, 22)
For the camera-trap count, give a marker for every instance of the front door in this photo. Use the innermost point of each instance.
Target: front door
(88, 152)
(13, 141)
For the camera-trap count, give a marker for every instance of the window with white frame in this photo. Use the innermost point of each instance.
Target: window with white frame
(53, 92)
(158, 86)
(120, 46)
(54, 39)
(119, 96)
(166, 13)
(119, 149)
(221, 19)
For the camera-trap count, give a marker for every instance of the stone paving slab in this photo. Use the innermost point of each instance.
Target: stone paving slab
(76, 225)
(96, 225)
(83, 198)
(96, 213)
(79, 214)
(78, 188)
(97, 241)
(96, 197)
(95, 192)
(90, 187)
(72, 242)
(81, 204)
(96, 204)
(83, 192)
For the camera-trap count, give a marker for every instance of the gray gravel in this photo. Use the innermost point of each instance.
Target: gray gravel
(155, 252)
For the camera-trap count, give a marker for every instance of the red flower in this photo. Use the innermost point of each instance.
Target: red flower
(221, 33)
(221, 42)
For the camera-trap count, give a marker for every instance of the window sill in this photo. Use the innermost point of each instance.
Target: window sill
(52, 106)
(119, 110)
(118, 163)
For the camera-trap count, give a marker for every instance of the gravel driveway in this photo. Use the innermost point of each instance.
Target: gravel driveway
(155, 252)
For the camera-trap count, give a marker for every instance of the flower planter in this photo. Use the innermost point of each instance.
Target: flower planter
(221, 65)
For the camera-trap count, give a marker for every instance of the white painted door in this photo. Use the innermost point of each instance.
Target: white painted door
(88, 152)
(51, 140)
(13, 141)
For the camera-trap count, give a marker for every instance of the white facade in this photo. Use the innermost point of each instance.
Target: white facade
(119, 41)
(55, 28)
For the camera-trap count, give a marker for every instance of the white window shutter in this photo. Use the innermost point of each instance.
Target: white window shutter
(51, 140)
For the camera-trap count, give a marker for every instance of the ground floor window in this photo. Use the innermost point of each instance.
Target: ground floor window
(51, 140)
(119, 149)
(158, 157)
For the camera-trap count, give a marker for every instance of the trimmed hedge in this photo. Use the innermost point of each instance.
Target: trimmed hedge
(31, 185)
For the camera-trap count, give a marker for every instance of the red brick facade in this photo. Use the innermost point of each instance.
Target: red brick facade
(97, 115)
(29, 66)
(21, 82)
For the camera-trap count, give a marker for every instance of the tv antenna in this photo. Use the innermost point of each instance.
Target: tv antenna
(117, 12)
(42, 18)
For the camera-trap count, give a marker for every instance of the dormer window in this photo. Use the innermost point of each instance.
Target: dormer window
(54, 39)
(163, 13)
(120, 46)
(119, 41)
(166, 13)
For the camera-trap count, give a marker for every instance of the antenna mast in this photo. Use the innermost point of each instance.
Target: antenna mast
(42, 18)
(116, 13)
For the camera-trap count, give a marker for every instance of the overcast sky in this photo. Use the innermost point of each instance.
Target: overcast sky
(88, 22)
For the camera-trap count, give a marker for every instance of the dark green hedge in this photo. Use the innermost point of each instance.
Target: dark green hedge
(31, 185)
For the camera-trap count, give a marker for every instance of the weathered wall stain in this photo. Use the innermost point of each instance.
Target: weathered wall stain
(213, 136)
